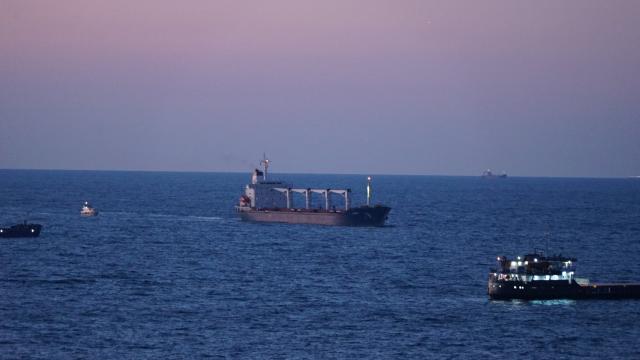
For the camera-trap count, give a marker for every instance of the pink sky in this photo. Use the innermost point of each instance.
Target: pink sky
(532, 87)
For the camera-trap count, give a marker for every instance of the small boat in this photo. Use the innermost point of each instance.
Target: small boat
(87, 210)
(21, 230)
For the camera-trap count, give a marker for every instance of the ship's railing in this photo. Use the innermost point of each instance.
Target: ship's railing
(528, 277)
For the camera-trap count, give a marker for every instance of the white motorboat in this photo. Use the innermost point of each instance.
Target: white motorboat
(87, 210)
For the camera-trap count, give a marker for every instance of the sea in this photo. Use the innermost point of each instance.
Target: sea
(168, 271)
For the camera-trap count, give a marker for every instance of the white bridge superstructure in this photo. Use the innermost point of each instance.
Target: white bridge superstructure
(269, 194)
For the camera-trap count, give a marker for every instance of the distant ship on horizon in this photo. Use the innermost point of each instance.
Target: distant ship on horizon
(489, 174)
(265, 200)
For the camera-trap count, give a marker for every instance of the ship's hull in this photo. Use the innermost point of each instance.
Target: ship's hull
(559, 289)
(22, 230)
(360, 216)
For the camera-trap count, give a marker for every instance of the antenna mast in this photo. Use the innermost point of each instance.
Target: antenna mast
(264, 162)
(368, 190)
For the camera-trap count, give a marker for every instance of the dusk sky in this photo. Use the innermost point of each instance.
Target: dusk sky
(535, 88)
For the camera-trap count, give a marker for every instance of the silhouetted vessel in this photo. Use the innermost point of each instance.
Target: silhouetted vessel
(265, 200)
(537, 277)
(489, 174)
(21, 230)
(87, 210)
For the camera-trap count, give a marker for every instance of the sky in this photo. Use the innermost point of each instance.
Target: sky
(533, 88)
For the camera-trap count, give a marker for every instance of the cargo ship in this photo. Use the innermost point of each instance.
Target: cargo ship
(488, 174)
(266, 200)
(21, 230)
(537, 277)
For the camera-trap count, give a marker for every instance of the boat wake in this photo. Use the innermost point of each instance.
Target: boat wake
(186, 217)
(162, 216)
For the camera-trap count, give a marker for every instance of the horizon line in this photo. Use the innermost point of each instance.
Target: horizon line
(317, 173)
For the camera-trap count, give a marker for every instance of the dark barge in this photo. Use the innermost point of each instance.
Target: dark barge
(21, 230)
(537, 277)
(265, 200)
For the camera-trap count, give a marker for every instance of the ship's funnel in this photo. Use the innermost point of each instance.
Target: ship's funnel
(256, 175)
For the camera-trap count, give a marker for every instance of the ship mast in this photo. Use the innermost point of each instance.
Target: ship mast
(368, 190)
(264, 162)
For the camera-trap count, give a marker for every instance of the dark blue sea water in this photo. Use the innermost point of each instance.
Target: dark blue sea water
(167, 271)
